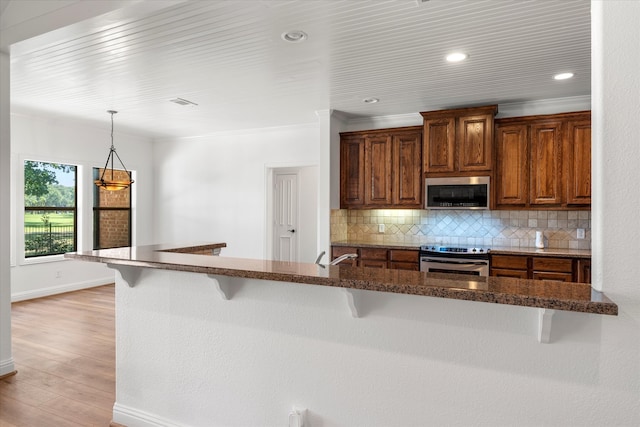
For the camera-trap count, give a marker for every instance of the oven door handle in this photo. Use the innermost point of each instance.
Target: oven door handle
(460, 263)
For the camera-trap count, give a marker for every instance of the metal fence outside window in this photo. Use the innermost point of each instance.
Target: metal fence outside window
(48, 239)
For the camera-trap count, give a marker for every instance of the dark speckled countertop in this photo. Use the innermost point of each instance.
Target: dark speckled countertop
(496, 250)
(577, 297)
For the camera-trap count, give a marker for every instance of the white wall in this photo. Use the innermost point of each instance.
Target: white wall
(37, 137)
(6, 360)
(409, 360)
(212, 188)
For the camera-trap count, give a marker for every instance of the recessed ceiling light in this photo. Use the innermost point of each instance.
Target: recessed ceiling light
(370, 100)
(295, 36)
(457, 57)
(182, 101)
(563, 76)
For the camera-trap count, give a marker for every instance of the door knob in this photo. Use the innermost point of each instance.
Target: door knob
(291, 231)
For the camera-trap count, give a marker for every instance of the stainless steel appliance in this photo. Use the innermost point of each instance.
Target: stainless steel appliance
(455, 260)
(470, 192)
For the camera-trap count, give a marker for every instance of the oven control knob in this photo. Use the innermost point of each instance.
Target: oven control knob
(475, 250)
(481, 250)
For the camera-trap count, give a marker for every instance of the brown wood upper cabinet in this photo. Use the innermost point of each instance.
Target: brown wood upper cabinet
(381, 168)
(543, 162)
(458, 142)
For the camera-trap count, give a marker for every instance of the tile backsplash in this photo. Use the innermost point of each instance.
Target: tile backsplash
(463, 227)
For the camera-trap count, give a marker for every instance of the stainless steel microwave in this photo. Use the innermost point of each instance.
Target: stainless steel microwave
(471, 192)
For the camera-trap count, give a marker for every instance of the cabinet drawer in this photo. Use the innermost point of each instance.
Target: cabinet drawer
(403, 255)
(544, 275)
(509, 261)
(402, 265)
(372, 263)
(562, 265)
(373, 254)
(506, 272)
(336, 251)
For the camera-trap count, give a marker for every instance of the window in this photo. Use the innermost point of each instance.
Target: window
(50, 216)
(111, 214)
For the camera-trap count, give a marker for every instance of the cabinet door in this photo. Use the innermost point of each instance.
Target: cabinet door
(561, 265)
(379, 254)
(372, 263)
(505, 272)
(577, 154)
(475, 140)
(407, 170)
(377, 170)
(404, 259)
(351, 172)
(584, 271)
(552, 275)
(439, 144)
(512, 172)
(545, 167)
(399, 265)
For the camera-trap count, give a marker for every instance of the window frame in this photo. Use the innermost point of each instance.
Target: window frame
(34, 259)
(96, 209)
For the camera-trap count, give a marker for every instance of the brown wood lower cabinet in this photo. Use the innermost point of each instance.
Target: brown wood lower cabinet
(373, 257)
(337, 251)
(541, 268)
(401, 259)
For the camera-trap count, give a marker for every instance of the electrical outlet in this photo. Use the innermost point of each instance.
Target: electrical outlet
(380, 228)
(580, 233)
(58, 274)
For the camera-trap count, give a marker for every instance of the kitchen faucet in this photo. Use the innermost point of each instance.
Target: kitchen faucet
(342, 258)
(338, 260)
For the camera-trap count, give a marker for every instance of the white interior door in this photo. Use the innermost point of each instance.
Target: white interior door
(286, 217)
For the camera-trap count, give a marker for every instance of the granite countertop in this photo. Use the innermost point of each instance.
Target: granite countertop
(369, 244)
(551, 252)
(577, 297)
(498, 250)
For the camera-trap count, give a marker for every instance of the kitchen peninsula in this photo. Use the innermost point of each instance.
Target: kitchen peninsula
(215, 332)
(577, 297)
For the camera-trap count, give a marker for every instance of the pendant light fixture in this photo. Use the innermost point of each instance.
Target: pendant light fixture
(107, 179)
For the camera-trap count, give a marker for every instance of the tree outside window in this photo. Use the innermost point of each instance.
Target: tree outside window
(50, 214)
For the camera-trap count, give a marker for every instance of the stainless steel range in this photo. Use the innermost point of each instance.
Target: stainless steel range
(454, 259)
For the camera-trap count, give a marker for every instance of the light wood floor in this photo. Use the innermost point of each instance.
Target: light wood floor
(64, 351)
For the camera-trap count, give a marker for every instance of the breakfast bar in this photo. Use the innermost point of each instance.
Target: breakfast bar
(578, 297)
(223, 330)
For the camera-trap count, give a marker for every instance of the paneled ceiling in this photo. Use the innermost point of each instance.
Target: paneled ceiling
(228, 57)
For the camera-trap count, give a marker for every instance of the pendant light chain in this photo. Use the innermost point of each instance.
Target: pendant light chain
(113, 184)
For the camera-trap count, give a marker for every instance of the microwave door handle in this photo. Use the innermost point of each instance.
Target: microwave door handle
(460, 263)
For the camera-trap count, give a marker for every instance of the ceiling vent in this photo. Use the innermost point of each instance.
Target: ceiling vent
(181, 101)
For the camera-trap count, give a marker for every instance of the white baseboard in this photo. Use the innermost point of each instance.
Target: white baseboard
(132, 417)
(7, 366)
(53, 290)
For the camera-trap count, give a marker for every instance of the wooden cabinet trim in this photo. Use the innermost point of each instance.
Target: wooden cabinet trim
(458, 112)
